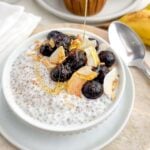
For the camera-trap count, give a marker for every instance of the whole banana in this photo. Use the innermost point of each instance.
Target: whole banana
(140, 23)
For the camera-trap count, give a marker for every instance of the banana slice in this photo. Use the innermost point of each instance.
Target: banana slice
(92, 56)
(111, 83)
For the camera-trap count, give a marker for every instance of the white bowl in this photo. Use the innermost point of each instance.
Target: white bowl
(19, 112)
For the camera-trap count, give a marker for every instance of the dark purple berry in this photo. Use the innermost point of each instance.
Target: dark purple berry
(92, 89)
(107, 57)
(53, 34)
(102, 71)
(60, 39)
(60, 73)
(76, 59)
(46, 50)
(64, 41)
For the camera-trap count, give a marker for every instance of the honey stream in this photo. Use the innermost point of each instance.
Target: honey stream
(85, 19)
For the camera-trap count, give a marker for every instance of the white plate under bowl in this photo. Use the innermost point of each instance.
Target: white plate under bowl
(26, 137)
(19, 112)
(112, 9)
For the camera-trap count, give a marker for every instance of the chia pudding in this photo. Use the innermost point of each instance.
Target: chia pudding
(64, 98)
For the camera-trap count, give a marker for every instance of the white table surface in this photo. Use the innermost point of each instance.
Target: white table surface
(122, 142)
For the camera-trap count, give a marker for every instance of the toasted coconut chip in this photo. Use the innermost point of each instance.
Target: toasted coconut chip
(86, 73)
(37, 57)
(69, 105)
(47, 63)
(111, 83)
(38, 42)
(92, 57)
(34, 81)
(31, 53)
(75, 44)
(115, 84)
(58, 56)
(81, 43)
(37, 45)
(75, 84)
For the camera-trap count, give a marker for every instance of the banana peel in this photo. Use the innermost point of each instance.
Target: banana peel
(140, 23)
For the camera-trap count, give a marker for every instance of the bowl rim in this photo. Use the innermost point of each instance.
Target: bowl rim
(35, 123)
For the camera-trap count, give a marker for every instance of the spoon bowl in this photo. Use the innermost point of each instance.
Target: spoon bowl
(129, 46)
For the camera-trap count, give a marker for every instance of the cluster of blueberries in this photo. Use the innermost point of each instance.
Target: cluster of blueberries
(76, 59)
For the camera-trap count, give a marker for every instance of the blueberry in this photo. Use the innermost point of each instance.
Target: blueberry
(76, 59)
(92, 89)
(97, 43)
(102, 71)
(64, 41)
(107, 57)
(60, 39)
(46, 50)
(60, 73)
(53, 34)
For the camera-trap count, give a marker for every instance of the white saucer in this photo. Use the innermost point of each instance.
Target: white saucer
(112, 9)
(26, 137)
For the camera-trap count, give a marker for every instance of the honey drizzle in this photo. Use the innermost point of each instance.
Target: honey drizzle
(85, 19)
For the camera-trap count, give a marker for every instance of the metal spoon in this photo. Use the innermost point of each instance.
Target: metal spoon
(128, 45)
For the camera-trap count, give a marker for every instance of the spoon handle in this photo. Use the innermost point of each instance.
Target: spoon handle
(145, 68)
